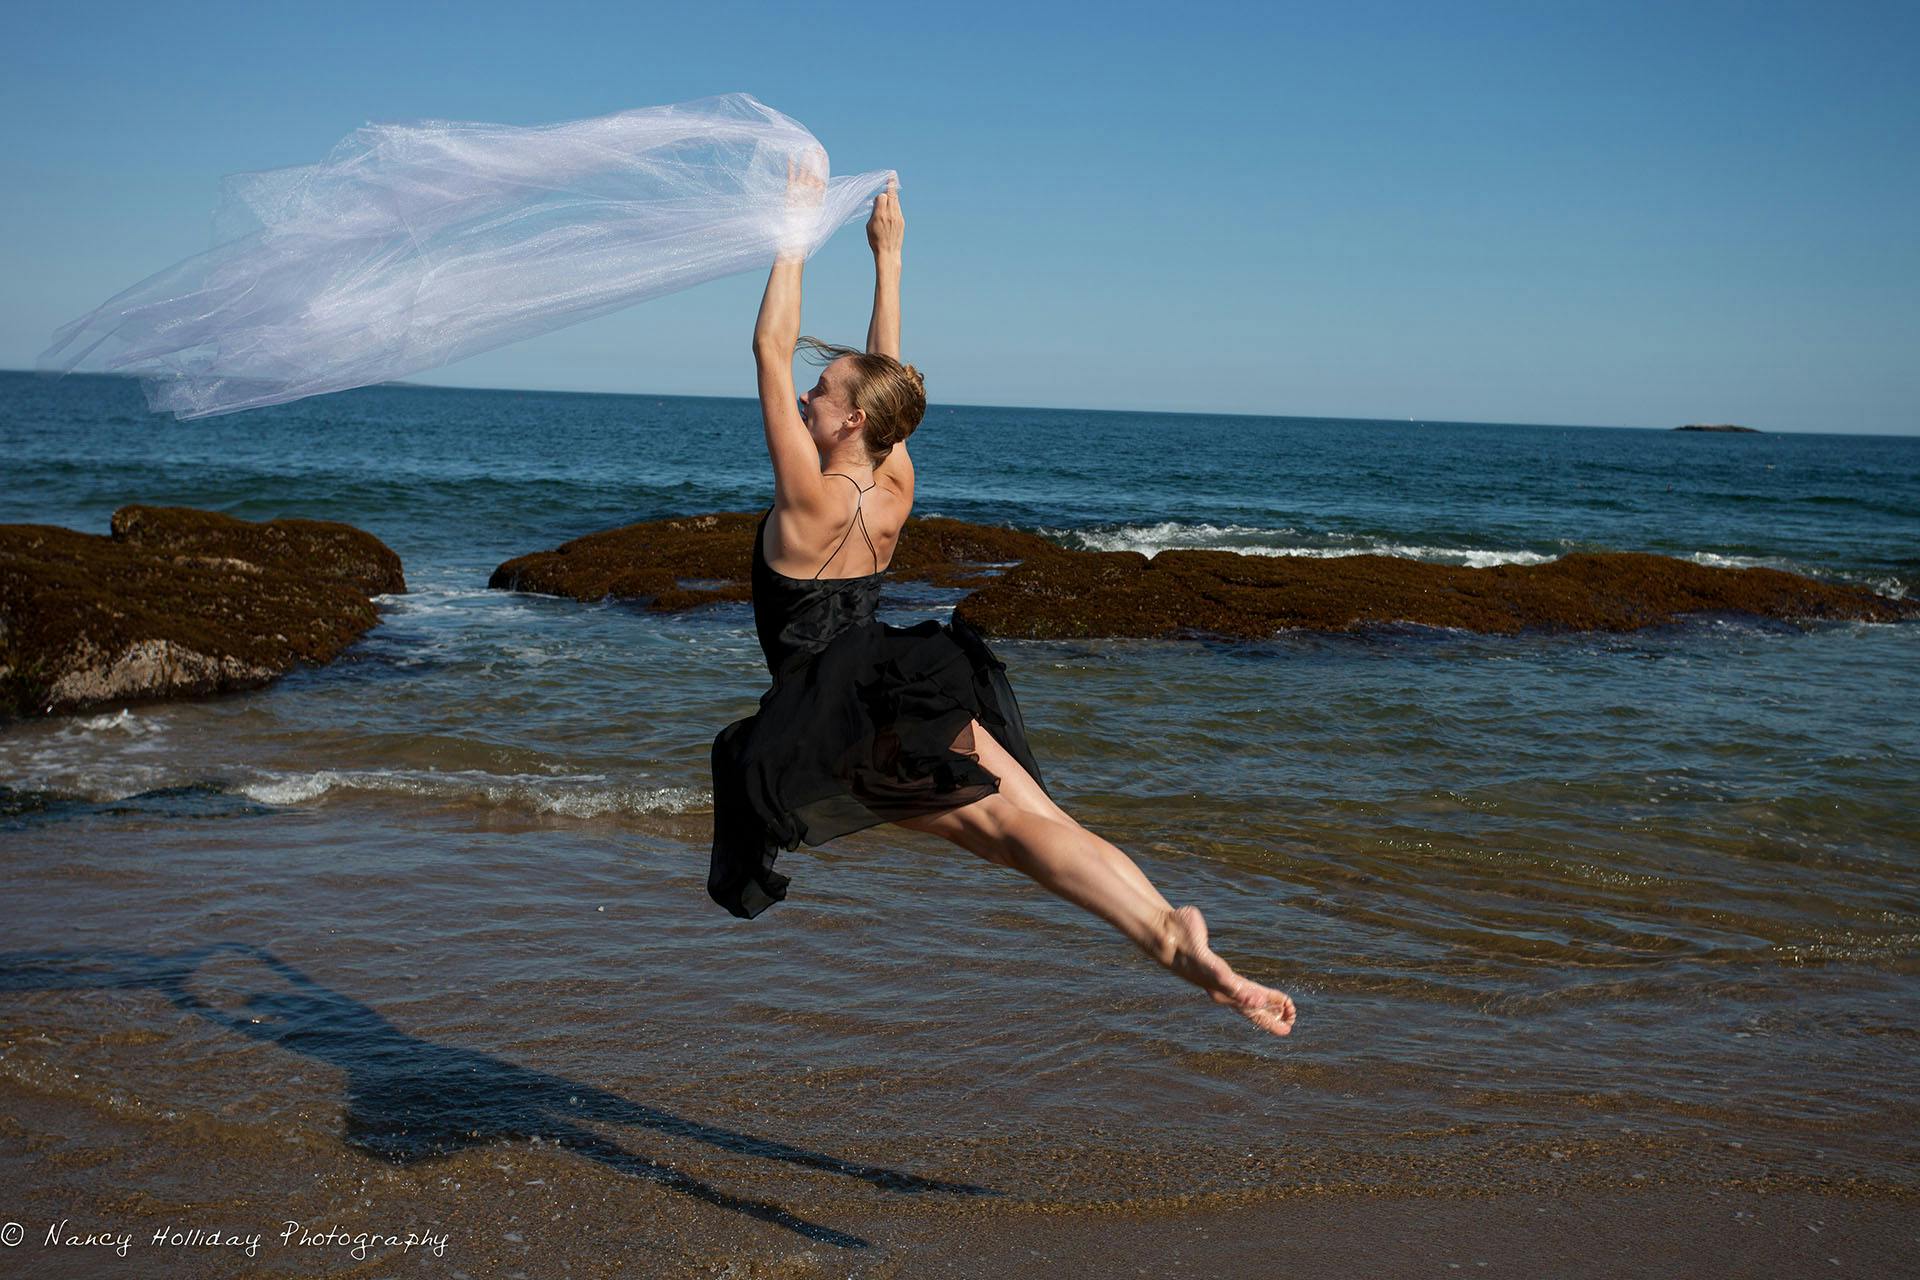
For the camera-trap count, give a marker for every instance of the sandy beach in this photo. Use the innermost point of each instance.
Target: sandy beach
(132, 1204)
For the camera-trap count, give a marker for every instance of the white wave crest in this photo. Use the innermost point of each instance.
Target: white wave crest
(1887, 585)
(568, 795)
(1714, 560)
(1255, 540)
(122, 721)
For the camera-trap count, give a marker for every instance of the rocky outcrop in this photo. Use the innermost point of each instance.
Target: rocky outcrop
(1123, 593)
(669, 565)
(1023, 585)
(177, 603)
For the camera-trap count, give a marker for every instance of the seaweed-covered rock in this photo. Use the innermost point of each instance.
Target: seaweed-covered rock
(318, 548)
(670, 565)
(1052, 591)
(177, 603)
(1123, 593)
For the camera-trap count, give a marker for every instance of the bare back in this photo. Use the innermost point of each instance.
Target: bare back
(856, 542)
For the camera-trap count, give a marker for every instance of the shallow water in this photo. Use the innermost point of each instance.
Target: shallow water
(1599, 909)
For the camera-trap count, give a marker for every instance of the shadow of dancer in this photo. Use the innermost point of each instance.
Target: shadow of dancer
(410, 1099)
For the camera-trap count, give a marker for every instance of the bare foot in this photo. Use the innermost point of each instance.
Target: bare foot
(1195, 961)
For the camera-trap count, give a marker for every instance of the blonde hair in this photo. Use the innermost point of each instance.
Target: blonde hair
(891, 394)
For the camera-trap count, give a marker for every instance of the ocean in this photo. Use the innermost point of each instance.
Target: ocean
(1559, 912)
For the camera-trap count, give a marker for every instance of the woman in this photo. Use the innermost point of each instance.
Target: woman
(867, 722)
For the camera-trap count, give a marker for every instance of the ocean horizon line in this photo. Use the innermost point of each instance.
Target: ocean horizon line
(1168, 413)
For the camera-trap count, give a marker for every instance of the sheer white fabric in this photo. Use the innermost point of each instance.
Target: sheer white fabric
(414, 245)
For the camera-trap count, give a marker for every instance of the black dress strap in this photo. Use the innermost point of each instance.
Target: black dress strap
(859, 518)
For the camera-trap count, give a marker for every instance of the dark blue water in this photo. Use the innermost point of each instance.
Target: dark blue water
(1663, 884)
(434, 471)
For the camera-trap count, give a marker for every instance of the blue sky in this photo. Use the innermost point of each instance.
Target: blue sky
(1610, 214)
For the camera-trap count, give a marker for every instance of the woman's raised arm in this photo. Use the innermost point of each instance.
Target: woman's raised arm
(886, 232)
(796, 461)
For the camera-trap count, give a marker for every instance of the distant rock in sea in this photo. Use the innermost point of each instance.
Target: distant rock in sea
(1717, 426)
(177, 602)
(1023, 585)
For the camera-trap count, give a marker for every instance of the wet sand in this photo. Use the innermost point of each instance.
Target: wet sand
(513, 1038)
(1660, 1233)
(539, 1210)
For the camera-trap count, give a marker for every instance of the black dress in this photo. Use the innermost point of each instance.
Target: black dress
(859, 727)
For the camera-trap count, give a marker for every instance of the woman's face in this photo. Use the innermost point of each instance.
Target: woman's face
(824, 408)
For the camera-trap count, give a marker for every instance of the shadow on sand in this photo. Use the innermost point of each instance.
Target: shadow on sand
(410, 1099)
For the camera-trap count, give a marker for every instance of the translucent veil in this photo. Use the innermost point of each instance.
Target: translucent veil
(414, 245)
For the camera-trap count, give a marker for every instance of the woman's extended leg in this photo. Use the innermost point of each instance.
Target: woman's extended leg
(1017, 785)
(1072, 862)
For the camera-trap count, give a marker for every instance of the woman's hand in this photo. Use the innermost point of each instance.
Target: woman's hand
(807, 181)
(806, 192)
(886, 229)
